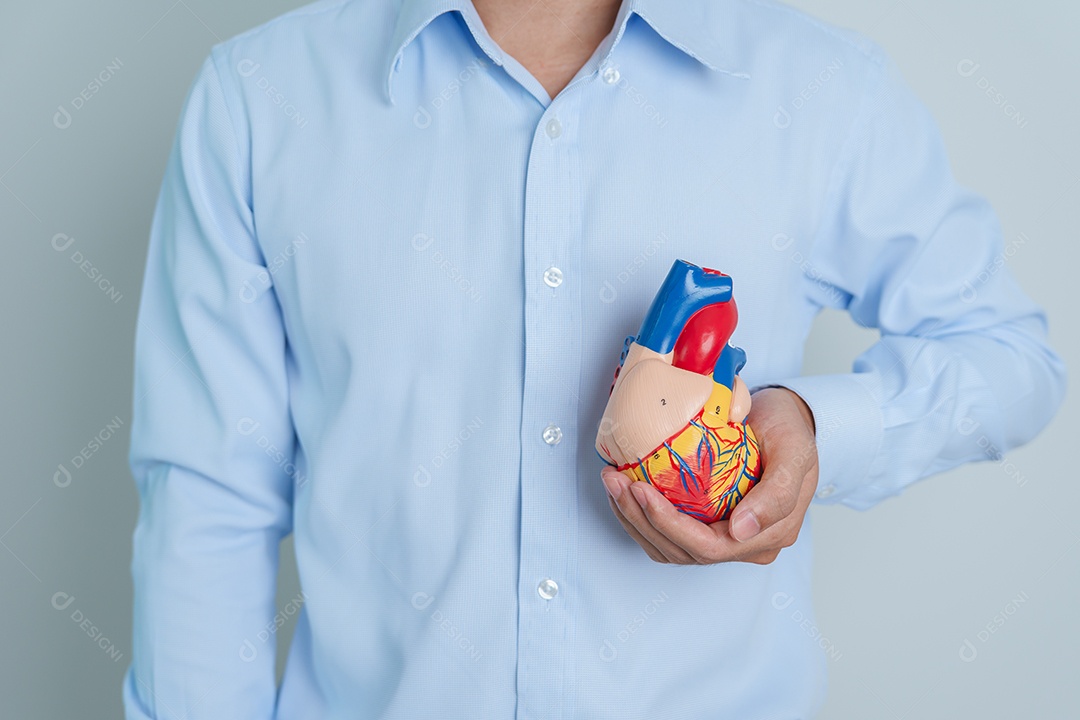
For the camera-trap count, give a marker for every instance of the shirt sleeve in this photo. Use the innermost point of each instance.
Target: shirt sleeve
(210, 427)
(962, 370)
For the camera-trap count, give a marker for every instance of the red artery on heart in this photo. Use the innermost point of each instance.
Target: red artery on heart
(704, 337)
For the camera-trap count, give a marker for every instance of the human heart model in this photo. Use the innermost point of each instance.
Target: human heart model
(676, 412)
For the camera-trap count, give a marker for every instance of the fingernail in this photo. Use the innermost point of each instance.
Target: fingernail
(745, 526)
(640, 495)
(612, 485)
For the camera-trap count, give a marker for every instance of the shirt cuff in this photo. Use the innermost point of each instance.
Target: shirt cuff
(849, 428)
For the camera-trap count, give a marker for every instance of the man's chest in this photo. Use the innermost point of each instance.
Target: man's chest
(470, 223)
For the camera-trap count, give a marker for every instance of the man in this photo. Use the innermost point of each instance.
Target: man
(396, 251)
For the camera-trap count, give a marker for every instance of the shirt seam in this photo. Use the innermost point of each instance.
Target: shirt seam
(220, 85)
(241, 157)
(307, 11)
(868, 50)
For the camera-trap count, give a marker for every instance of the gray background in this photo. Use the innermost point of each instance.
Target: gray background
(906, 593)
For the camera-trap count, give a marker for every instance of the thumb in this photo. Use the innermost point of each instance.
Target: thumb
(787, 456)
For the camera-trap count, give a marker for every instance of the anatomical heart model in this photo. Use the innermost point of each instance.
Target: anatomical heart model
(676, 413)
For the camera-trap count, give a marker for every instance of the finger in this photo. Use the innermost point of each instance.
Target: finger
(763, 558)
(632, 531)
(615, 483)
(632, 512)
(706, 543)
(787, 455)
(764, 547)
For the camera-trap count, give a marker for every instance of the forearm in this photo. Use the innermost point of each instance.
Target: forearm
(916, 406)
(204, 570)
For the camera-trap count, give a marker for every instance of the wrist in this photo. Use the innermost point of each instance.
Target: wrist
(793, 397)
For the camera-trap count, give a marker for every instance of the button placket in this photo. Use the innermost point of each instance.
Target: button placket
(552, 243)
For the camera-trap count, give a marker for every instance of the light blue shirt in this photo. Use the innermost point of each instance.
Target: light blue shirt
(388, 282)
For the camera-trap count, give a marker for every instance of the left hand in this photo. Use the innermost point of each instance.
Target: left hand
(764, 522)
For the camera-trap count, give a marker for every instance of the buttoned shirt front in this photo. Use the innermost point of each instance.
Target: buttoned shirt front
(388, 282)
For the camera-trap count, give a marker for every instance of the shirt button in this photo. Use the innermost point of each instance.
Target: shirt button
(554, 128)
(553, 277)
(826, 491)
(552, 434)
(547, 588)
(611, 76)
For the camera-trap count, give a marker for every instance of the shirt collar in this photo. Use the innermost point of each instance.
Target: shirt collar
(703, 29)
